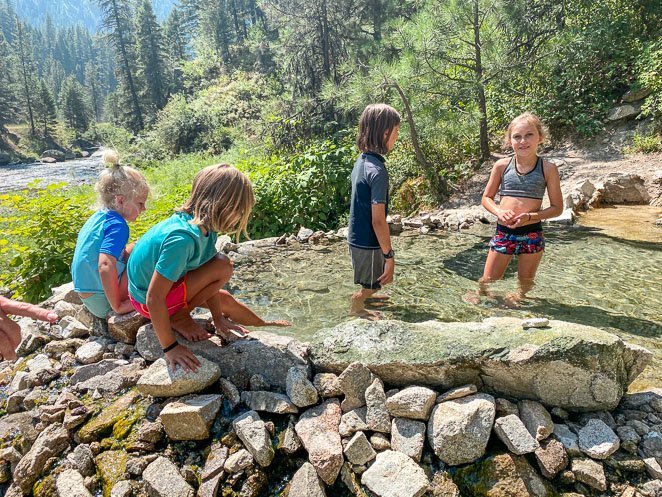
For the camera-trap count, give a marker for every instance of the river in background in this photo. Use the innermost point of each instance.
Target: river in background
(39, 174)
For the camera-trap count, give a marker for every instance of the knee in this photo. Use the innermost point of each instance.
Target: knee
(223, 267)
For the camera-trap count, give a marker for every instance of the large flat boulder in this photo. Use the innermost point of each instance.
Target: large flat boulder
(262, 353)
(568, 365)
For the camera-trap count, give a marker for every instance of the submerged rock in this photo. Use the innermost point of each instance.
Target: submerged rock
(566, 364)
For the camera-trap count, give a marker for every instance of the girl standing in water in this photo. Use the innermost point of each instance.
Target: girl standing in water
(521, 182)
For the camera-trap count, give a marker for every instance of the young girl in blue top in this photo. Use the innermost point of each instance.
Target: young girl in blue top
(101, 249)
(521, 182)
(175, 266)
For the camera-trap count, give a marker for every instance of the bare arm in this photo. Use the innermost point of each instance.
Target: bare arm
(158, 310)
(109, 281)
(505, 216)
(553, 191)
(380, 226)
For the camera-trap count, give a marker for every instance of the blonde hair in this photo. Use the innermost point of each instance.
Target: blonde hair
(118, 180)
(221, 200)
(376, 120)
(529, 118)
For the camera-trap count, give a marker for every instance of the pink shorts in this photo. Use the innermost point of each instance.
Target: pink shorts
(175, 300)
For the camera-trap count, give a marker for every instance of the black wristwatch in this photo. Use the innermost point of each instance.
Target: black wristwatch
(389, 255)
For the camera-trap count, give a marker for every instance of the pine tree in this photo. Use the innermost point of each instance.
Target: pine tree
(150, 55)
(176, 43)
(75, 109)
(26, 70)
(45, 111)
(117, 23)
(7, 95)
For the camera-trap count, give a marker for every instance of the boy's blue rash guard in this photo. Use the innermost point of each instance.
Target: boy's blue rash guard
(105, 232)
(369, 186)
(172, 248)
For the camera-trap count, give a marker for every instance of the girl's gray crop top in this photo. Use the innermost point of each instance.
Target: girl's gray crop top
(529, 185)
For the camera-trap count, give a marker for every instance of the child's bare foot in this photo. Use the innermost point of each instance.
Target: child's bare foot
(472, 297)
(278, 322)
(369, 315)
(229, 330)
(189, 329)
(513, 300)
(378, 296)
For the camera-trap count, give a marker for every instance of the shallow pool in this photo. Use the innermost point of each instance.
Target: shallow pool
(604, 275)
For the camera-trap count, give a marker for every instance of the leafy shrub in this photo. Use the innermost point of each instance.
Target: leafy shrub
(650, 77)
(645, 144)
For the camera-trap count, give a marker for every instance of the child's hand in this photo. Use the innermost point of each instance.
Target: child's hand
(184, 357)
(506, 217)
(519, 220)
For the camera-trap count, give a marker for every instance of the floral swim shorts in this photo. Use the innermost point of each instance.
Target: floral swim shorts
(514, 241)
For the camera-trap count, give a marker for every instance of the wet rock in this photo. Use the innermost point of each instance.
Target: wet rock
(124, 327)
(567, 365)
(50, 443)
(238, 461)
(551, 457)
(230, 392)
(289, 442)
(408, 437)
(590, 472)
(354, 381)
(306, 483)
(327, 385)
(512, 432)
(191, 417)
(161, 381)
(71, 484)
(377, 416)
(457, 393)
(318, 430)
(299, 389)
(163, 480)
(412, 403)
(111, 467)
(394, 474)
(629, 438)
(458, 430)
(358, 450)
(103, 423)
(82, 460)
(253, 433)
(536, 419)
(90, 352)
(272, 402)
(597, 440)
(353, 421)
(569, 440)
(502, 475)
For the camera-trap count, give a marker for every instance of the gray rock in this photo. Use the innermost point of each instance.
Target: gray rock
(457, 393)
(162, 479)
(114, 381)
(72, 328)
(380, 442)
(569, 440)
(304, 234)
(327, 385)
(412, 402)
(458, 430)
(551, 457)
(100, 368)
(358, 450)
(651, 445)
(629, 438)
(58, 347)
(70, 483)
(568, 365)
(31, 338)
(597, 440)
(394, 474)
(124, 327)
(354, 381)
(15, 401)
(82, 460)
(299, 389)
(276, 403)
(191, 417)
(536, 419)
(122, 489)
(39, 363)
(512, 432)
(258, 383)
(252, 431)
(651, 488)
(306, 483)
(408, 437)
(230, 392)
(590, 472)
(377, 416)
(215, 461)
(90, 352)
(353, 421)
(653, 467)
(161, 381)
(50, 443)
(263, 353)
(64, 292)
(19, 382)
(238, 461)
(623, 112)
(318, 430)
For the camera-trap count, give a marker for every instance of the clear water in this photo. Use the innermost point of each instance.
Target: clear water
(591, 275)
(39, 175)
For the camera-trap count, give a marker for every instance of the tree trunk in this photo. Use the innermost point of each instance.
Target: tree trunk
(376, 20)
(24, 74)
(324, 35)
(480, 87)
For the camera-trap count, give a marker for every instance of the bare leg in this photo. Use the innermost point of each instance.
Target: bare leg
(495, 267)
(527, 266)
(202, 286)
(357, 307)
(240, 313)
